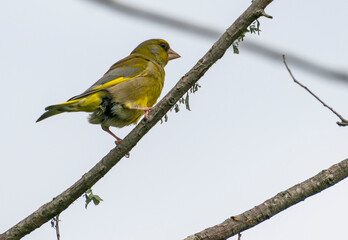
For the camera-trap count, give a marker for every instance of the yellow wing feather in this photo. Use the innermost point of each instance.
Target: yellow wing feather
(104, 86)
(114, 82)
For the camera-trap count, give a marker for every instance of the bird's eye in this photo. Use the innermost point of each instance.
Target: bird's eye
(164, 46)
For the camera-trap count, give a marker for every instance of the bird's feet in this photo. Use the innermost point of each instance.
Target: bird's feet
(147, 113)
(118, 140)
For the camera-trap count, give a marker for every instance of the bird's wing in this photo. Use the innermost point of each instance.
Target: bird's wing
(124, 70)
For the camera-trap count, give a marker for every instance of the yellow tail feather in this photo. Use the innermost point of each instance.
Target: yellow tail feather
(85, 104)
(48, 114)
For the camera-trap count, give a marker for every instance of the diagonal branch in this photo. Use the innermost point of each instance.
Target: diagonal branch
(275, 205)
(63, 200)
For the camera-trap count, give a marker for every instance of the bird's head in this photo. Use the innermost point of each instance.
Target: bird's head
(156, 49)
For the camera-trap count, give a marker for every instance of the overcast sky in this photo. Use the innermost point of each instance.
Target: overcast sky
(251, 133)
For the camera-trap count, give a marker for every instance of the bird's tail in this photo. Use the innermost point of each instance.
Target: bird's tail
(85, 104)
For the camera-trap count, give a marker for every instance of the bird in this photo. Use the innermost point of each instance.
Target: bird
(126, 92)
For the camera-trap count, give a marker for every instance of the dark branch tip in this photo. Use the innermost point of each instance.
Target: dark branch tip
(264, 14)
(342, 124)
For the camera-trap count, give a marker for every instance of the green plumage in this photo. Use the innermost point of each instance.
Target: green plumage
(126, 91)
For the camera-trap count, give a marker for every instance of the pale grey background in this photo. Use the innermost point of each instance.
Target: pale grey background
(251, 133)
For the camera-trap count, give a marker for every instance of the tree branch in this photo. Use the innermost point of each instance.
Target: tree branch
(275, 205)
(62, 201)
(343, 122)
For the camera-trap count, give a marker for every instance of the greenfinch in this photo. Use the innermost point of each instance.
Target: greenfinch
(127, 90)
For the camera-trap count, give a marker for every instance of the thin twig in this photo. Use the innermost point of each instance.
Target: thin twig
(55, 225)
(343, 122)
(239, 236)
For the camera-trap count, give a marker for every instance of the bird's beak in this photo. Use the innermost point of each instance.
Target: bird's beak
(172, 55)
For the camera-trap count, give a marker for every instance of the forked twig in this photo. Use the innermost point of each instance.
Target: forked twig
(343, 122)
